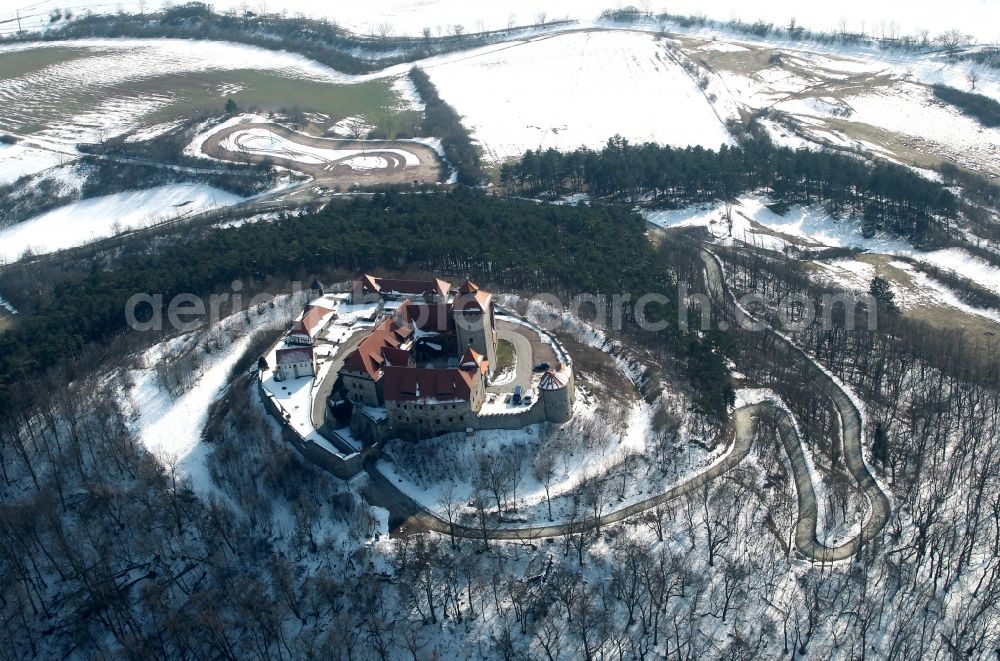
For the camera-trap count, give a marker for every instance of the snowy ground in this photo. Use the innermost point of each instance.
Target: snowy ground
(6, 305)
(170, 426)
(811, 228)
(909, 111)
(81, 222)
(410, 17)
(59, 99)
(20, 160)
(577, 89)
(561, 89)
(448, 464)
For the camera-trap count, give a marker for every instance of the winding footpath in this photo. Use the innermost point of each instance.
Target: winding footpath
(411, 517)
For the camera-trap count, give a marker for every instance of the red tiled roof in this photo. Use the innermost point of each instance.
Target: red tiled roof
(406, 287)
(402, 384)
(296, 355)
(368, 357)
(311, 318)
(396, 357)
(472, 360)
(471, 297)
(555, 379)
(414, 287)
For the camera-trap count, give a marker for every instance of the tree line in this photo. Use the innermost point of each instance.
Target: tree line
(320, 40)
(888, 196)
(983, 108)
(442, 120)
(560, 250)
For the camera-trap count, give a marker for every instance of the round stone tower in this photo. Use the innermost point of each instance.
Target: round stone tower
(558, 393)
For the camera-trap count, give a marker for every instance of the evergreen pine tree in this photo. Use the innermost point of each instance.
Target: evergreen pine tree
(882, 292)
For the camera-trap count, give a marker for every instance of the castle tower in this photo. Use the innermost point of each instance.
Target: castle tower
(475, 322)
(558, 393)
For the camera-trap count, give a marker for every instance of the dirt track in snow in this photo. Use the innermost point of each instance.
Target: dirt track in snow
(337, 173)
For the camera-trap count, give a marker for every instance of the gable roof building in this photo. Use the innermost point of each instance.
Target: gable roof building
(367, 286)
(295, 362)
(313, 319)
(391, 337)
(428, 385)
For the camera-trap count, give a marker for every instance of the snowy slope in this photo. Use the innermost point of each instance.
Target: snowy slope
(577, 89)
(104, 68)
(812, 228)
(912, 112)
(19, 160)
(170, 427)
(78, 223)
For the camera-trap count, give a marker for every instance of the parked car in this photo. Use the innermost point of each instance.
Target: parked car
(526, 400)
(542, 367)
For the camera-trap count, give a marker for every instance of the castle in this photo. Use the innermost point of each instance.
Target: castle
(412, 359)
(430, 361)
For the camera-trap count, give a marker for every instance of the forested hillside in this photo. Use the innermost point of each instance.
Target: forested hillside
(559, 250)
(890, 197)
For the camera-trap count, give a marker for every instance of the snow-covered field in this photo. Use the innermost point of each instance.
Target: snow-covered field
(410, 17)
(563, 89)
(19, 160)
(577, 89)
(62, 93)
(913, 114)
(84, 221)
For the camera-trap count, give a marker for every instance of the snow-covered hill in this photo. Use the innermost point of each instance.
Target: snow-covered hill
(578, 89)
(81, 222)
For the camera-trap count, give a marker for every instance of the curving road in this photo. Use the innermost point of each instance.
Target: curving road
(852, 433)
(410, 517)
(523, 361)
(415, 518)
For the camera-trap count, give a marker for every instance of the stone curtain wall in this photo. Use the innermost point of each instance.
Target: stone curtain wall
(343, 466)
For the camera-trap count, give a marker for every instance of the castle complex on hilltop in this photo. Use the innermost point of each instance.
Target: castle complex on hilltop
(408, 365)
(414, 359)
